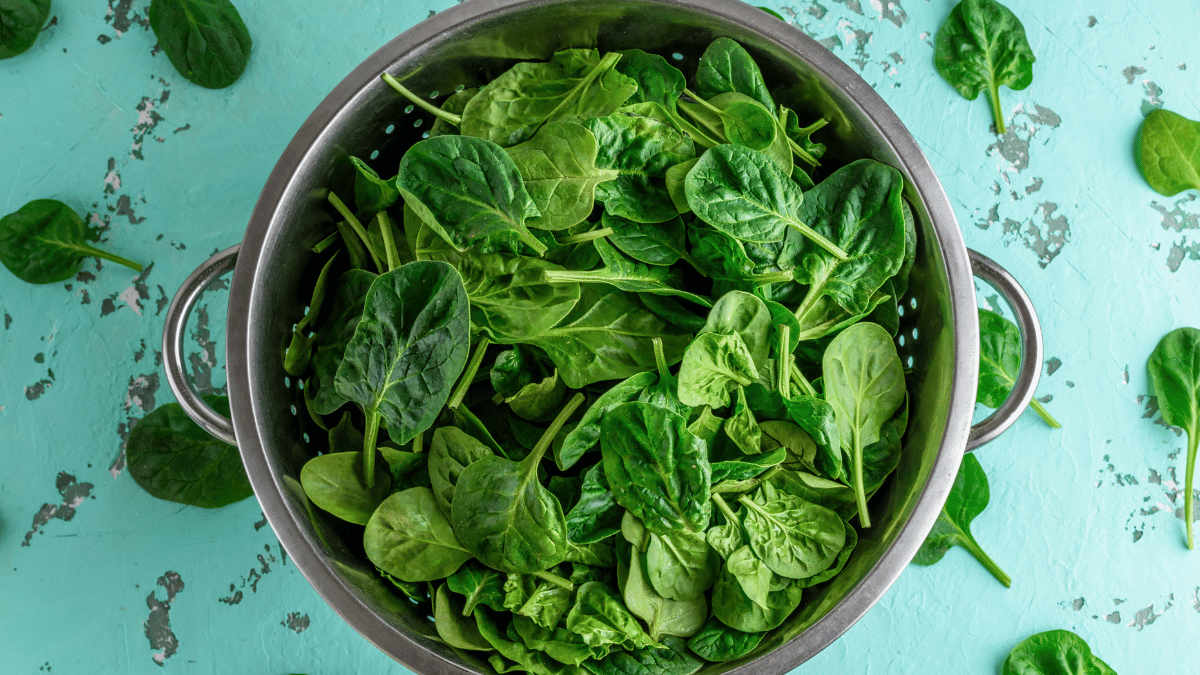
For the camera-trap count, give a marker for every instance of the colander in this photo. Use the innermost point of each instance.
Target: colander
(468, 45)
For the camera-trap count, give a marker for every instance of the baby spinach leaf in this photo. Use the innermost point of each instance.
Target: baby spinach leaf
(864, 383)
(478, 585)
(839, 563)
(665, 392)
(1054, 652)
(744, 194)
(718, 642)
(334, 331)
(981, 46)
(455, 628)
(409, 538)
(21, 23)
(671, 659)
(742, 428)
(713, 366)
(882, 457)
(656, 468)
(537, 401)
(334, 482)
(596, 516)
(559, 168)
(752, 574)
(407, 351)
(586, 433)
(732, 607)
(172, 458)
(559, 643)
(726, 66)
(726, 538)
(627, 275)
(795, 538)
(812, 488)
(514, 368)
(575, 85)
(800, 138)
(454, 104)
(819, 420)
(546, 604)
(451, 450)
(527, 659)
(1000, 363)
(657, 80)
(859, 207)
(43, 242)
(206, 40)
(801, 449)
(508, 519)
(372, 193)
(467, 189)
(1167, 150)
(299, 351)
(608, 335)
(747, 316)
(672, 312)
(674, 178)
(681, 566)
(733, 117)
(600, 619)
(1174, 368)
(747, 467)
(968, 498)
(651, 243)
(662, 616)
(724, 259)
(640, 149)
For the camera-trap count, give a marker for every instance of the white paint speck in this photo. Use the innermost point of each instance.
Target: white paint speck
(130, 297)
(113, 180)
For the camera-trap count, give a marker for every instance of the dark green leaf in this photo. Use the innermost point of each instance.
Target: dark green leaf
(726, 66)
(558, 643)
(662, 616)
(537, 401)
(1174, 368)
(742, 428)
(597, 515)
(21, 23)
(455, 628)
(559, 168)
(510, 299)
(1000, 363)
(1167, 150)
(586, 434)
(713, 366)
(718, 642)
(372, 193)
(743, 193)
(732, 607)
(673, 659)
(514, 368)
(1054, 652)
(409, 538)
(43, 242)
(795, 538)
(681, 566)
(640, 149)
(335, 483)
(627, 275)
(651, 243)
(454, 104)
(206, 40)
(600, 618)
(478, 585)
(172, 458)
(968, 498)
(450, 451)
(334, 331)
(747, 467)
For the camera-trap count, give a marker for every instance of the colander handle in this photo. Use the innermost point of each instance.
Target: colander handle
(177, 315)
(1031, 350)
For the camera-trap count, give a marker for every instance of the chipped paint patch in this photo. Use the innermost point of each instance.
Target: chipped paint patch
(158, 625)
(255, 575)
(1146, 616)
(1131, 73)
(73, 493)
(296, 621)
(139, 400)
(112, 179)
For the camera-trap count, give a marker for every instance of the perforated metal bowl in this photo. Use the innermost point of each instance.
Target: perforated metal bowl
(467, 46)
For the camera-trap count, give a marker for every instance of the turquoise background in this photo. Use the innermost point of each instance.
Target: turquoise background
(97, 577)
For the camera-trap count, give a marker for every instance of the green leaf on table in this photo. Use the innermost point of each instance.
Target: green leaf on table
(1054, 652)
(410, 538)
(1167, 151)
(43, 242)
(1000, 363)
(575, 85)
(335, 483)
(968, 498)
(172, 458)
(640, 149)
(1174, 368)
(559, 168)
(21, 23)
(206, 40)
(981, 46)
(718, 642)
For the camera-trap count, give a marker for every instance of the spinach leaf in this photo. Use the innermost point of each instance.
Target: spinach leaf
(1167, 151)
(674, 178)
(732, 607)
(718, 642)
(981, 46)
(706, 425)
(600, 618)
(662, 616)
(586, 433)
(372, 193)
(659, 84)
(507, 519)
(968, 498)
(726, 66)
(454, 104)
(172, 458)
(559, 168)
(752, 574)
(1000, 363)
(299, 351)
(407, 351)
(859, 207)
(656, 468)
(511, 647)
(839, 563)
(1054, 652)
(409, 538)
(732, 117)
(334, 482)
(671, 659)
(21, 23)
(724, 259)
(450, 452)
(795, 538)
(596, 516)
(681, 566)
(43, 242)
(672, 312)
(546, 603)
(800, 138)
(742, 428)
(818, 419)
(744, 194)
(864, 382)
(640, 149)
(468, 189)
(747, 467)
(815, 489)
(726, 538)
(1174, 368)
(559, 643)
(747, 316)
(478, 585)
(537, 401)
(455, 628)
(713, 366)
(334, 331)
(517, 367)
(608, 335)
(206, 40)
(344, 436)
(662, 243)
(801, 449)
(627, 275)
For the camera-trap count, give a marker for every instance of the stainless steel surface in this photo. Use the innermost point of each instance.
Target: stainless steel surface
(1031, 350)
(173, 332)
(467, 45)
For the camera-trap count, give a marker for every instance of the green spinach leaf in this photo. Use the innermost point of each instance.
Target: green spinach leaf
(726, 66)
(662, 243)
(451, 450)
(640, 149)
(333, 332)
(795, 538)
(1000, 363)
(455, 628)
(1167, 151)
(681, 566)
(372, 193)
(43, 242)
(1174, 368)
(732, 607)
(334, 482)
(671, 659)
(586, 434)
(21, 23)
(206, 40)
(968, 498)
(600, 618)
(718, 642)
(410, 538)
(713, 366)
(479, 585)
(596, 516)
(1054, 652)
(662, 616)
(559, 168)
(627, 275)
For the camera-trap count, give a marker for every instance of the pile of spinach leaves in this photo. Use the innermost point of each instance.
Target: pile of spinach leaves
(607, 367)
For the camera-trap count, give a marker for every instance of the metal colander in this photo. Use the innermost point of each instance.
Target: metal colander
(467, 46)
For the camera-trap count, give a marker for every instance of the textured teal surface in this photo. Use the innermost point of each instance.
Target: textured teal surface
(97, 577)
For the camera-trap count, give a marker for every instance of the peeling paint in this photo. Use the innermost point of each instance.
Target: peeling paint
(158, 625)
(1131, 73)
(296, 621)
(73, 493)
(1053, 364)
(1146, 616)
(1153, 99)
(112, 179)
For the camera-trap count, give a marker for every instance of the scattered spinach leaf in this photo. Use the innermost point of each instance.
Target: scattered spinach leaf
(1174, 367)
(1000, 363)
(206, 40)
(968, 498)
(21, 23)
(43, 242)
(1167, 151)
(1054, 652)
